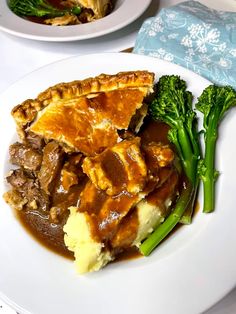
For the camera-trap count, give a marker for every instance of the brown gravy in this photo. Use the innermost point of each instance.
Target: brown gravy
(131, 253)
(154, 131)
(38, 224)
(52, 235)
(49, 235)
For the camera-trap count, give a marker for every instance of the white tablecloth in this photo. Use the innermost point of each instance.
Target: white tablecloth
(20, 56)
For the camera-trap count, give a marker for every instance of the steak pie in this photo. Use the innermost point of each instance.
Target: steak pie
(92, 178)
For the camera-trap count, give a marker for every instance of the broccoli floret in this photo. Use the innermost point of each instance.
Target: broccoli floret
(39, 8)
(214, 102)
(173, 105)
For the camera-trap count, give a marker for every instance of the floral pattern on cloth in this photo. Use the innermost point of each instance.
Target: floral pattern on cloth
(193, 36)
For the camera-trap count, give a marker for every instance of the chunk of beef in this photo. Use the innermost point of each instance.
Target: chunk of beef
(68, 178)
(19, 179)
(71, 172)
(34, 140)
(67, 189)
(62, 201)
(25, 156)
(51, 166)
(25, 183)
(15, 199)
(74, 161)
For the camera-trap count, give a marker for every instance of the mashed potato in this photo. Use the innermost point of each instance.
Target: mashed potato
(91, 255)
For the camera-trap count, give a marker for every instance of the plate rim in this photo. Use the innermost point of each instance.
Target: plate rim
(111, 55)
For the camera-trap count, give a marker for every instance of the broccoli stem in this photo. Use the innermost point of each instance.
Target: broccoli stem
(190, 162)
(210, 173)
(214, 102)
(181, 139)
(173, 105)
(193, 135)
(186, 153)
(165, 228)
(186, 219)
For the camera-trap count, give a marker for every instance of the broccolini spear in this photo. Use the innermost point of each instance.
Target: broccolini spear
(39, 8)
(173, 105)
(213, 103)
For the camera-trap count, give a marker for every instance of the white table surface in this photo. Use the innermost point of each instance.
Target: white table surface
(20, 56)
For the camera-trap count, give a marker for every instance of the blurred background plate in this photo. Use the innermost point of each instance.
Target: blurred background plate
(124, 13)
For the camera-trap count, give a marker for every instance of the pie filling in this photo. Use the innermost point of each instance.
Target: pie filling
(94, 175)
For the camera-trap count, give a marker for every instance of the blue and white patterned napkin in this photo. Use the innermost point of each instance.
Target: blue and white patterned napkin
(193, 36)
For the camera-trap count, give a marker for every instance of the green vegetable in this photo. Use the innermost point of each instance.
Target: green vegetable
(173, 105)
(213, 103)
(39, 8)
(171, 221)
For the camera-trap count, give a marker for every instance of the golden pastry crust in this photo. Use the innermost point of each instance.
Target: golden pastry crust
(101, 83)
(125, 159)
(132, 85)
(26, 112)
(88, 124)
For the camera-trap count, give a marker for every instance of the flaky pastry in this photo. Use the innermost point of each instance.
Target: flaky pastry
(85, 115)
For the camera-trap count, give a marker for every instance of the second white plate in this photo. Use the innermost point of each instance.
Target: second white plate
(124, 13)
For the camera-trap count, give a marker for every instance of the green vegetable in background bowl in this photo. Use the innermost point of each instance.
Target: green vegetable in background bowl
(39, 8)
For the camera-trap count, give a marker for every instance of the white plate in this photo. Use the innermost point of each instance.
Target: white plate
(124, 12)
(185, 275)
